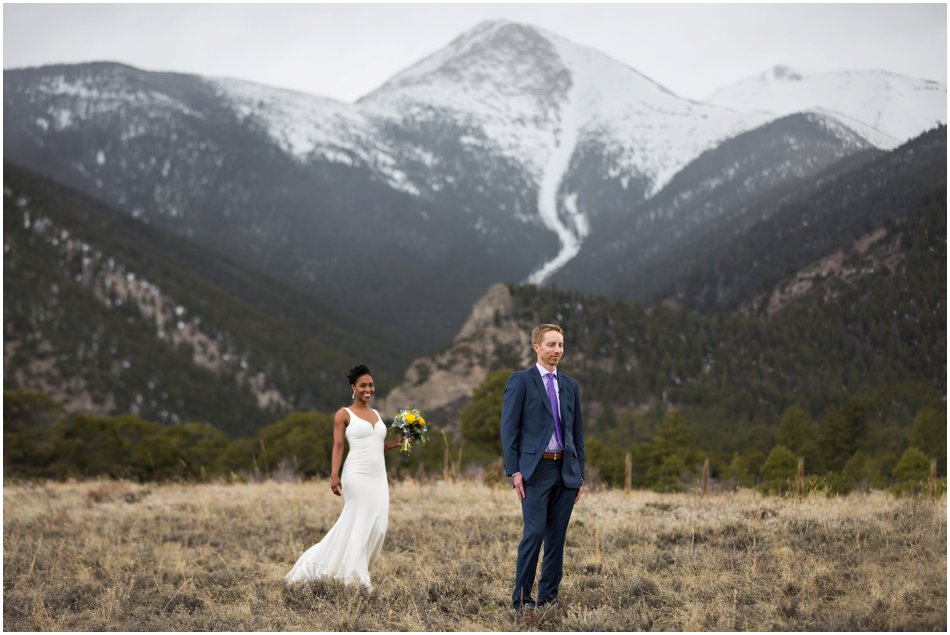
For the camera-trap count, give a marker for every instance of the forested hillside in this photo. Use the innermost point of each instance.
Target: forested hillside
(111, 315)
(853, 381)
(806, 221)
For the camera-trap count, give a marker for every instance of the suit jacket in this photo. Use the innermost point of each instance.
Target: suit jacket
(527, 424)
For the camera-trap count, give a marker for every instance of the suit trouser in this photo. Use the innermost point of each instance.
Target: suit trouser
(546, 509)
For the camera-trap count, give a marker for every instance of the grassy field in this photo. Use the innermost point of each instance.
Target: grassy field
(107, 556)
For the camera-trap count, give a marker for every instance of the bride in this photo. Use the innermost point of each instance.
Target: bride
(352, 544)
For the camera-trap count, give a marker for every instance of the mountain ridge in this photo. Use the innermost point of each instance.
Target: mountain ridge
(509, 183)
(783, 90)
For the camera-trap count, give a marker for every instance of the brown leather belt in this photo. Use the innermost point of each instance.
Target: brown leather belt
(554, 456)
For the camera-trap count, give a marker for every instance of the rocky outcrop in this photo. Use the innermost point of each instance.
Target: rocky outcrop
(870, 253)
(44, 373)
(441, 384)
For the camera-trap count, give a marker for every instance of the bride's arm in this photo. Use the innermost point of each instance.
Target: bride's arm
(392, 444)
(336, 458)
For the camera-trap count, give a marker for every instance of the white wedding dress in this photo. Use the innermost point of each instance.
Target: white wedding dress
(352, 544)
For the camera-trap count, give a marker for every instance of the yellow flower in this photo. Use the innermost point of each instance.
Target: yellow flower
(422, 421)
(410, 418)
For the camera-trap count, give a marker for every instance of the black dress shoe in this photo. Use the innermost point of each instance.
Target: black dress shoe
(527, 605)
(548, 604)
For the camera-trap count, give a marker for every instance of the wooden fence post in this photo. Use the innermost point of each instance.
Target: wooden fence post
(705, 475)
(263, 455)
(446, 464)
(801, 477)
(627, 472)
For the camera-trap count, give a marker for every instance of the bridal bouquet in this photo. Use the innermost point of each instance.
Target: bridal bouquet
(412, 426)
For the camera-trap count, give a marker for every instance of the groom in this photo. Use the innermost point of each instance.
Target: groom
(544, 453)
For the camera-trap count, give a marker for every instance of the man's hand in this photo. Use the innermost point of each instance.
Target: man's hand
(519, 485)
(580, 490)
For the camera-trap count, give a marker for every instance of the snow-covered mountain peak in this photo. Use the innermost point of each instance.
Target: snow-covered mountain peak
(500, 84)
(888, 108)
(518, 84)
(493, 50)
(498, 68)
(500, 58)
(536, 98)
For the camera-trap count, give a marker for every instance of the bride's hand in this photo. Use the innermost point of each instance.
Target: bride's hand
(335, 486)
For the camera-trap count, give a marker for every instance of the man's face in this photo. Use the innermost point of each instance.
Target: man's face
(551, 349)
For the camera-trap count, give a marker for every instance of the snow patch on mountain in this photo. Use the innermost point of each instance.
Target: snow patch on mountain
(570, 233)
(851, 130)
(308, 127)
(88, 97)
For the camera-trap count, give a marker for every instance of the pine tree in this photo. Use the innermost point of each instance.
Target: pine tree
(929, 435)
(912, 471)
(798, 433)
(671, 455)
(779, 470)
(837, 439)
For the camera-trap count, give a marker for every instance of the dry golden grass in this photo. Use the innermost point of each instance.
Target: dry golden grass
(107, 556)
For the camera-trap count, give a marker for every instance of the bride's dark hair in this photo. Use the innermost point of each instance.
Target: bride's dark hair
(358, 371)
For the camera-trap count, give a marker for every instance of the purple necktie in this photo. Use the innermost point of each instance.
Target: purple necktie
(552, 397)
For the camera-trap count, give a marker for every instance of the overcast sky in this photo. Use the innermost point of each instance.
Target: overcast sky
(346, 50)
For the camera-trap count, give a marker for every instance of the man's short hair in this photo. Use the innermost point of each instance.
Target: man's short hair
(538, 333)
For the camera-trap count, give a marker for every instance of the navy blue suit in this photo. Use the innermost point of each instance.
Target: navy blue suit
(527, 423)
